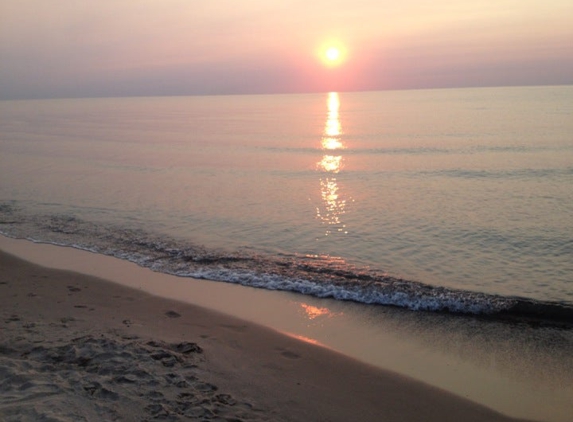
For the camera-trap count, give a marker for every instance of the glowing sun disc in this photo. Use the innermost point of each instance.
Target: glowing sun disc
(332, 54)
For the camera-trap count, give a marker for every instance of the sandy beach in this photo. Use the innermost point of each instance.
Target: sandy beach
(75, 347)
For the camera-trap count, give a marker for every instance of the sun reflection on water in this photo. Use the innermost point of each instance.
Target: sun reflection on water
(333, 128)
(333, 202)
(330, 163)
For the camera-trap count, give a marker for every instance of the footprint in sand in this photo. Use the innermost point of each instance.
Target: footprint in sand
(12, 318)
(288, 354)
(237, 328)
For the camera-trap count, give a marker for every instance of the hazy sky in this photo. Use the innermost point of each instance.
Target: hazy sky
(75, 48)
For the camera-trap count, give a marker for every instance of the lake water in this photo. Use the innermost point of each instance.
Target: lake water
(458, 200)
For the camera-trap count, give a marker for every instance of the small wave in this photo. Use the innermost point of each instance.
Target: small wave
(501, 174)
(401, 151)
(387, 291)
(363, 151)
(418, 150)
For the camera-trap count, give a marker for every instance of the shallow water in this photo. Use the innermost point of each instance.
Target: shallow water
(358, 196)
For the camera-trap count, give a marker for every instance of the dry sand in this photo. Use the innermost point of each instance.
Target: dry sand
(74, 347)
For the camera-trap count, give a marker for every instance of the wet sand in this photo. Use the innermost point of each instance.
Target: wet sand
(74, 346)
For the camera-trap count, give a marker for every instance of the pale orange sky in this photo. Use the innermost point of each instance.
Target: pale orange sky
(75, 48)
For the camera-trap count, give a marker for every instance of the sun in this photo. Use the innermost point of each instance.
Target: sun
(332, 55)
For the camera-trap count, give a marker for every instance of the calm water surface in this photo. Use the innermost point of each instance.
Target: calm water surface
(468, 189)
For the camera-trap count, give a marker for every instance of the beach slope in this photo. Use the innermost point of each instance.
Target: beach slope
(74, 347)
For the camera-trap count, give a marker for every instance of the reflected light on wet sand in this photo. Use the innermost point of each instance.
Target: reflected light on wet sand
(305, 339)
(313, 312)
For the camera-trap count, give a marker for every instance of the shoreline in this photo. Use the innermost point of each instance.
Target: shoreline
(67, 321)
(343, 318)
